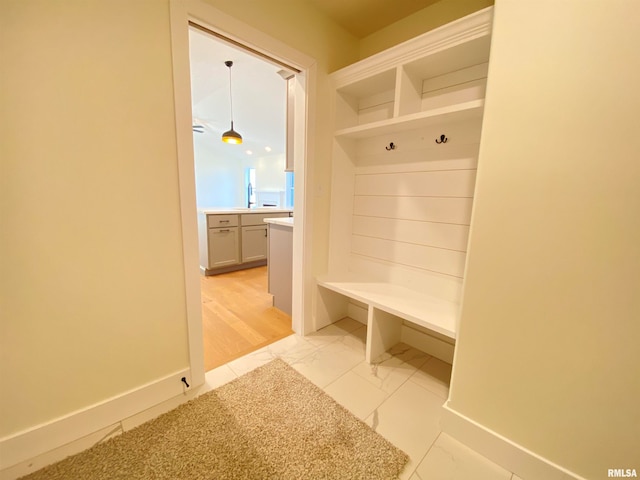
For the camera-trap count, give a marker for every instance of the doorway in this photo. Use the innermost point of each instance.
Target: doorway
(238, 316)
(182, 14)
(252, 93)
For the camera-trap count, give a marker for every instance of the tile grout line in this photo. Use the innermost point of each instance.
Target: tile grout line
(415, 470)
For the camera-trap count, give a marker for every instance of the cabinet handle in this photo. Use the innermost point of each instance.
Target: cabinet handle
(223, 221)
(225, 230)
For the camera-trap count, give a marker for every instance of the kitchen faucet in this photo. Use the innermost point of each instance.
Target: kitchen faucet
(249, 193)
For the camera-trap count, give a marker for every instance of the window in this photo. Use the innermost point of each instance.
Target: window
(288, 200)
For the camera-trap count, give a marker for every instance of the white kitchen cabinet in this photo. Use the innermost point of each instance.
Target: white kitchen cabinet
(254, 243)
(223, 247)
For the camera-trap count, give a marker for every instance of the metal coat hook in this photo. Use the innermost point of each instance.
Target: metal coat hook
(391, 146)
(443, 139)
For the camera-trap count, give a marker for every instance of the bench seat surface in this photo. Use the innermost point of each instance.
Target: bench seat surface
(428, 311)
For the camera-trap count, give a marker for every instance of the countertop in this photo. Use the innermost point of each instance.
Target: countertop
(285, 221)
(240, 210)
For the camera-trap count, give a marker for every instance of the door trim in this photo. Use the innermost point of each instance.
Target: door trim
(182, 12)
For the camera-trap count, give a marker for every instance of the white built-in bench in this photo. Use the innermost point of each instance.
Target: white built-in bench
(388, 306)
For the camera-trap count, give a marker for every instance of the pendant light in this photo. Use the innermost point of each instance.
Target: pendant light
(231, 136)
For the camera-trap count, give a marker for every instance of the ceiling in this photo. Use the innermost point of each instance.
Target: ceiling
(258, 93)
(363, 17)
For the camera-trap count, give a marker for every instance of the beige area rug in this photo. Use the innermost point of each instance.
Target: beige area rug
(271, 423)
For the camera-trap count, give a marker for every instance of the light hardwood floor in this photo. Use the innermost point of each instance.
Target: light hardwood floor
(238, 316)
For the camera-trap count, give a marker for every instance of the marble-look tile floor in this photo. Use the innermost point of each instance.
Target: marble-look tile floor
(400, 397)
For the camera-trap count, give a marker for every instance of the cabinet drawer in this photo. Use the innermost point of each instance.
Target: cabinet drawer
(258, 218)
(221, 221)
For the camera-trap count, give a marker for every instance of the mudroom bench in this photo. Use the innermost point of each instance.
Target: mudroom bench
(388, 306)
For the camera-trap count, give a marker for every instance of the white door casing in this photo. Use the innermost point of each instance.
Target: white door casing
(182, 12)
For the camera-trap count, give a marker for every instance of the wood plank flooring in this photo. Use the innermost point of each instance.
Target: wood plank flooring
(238, 316)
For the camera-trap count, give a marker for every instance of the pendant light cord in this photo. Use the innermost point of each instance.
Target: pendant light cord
(229, 64)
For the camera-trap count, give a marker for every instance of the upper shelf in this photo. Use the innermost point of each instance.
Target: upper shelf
(439, 77)
(450, 113)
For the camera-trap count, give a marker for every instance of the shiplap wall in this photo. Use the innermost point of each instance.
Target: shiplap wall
(412, 205)
(460, 86)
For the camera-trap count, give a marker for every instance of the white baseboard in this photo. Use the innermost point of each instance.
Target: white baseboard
(29, 450)
(500, 450)
(60, 453)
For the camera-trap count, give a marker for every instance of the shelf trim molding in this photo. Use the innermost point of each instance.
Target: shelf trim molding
(468, 28)
(456, 112)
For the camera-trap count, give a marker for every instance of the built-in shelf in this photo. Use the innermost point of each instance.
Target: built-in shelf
(443, 115)
(405, 151)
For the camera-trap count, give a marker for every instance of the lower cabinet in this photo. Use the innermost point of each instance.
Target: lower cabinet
(254, 243)
(281, 266)
(233, 241)
(223, 247)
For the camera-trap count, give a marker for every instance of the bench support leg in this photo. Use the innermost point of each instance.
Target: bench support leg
(383, 332)
(330, 308)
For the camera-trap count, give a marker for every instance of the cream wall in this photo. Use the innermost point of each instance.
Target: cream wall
(548, 352)
(422, 21)
(92, 283)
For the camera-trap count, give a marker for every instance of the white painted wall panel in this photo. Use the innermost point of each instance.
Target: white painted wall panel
(452, 183)
(422, 142)
(412, 205)
(433, 283)
(438, 260)
(461, 157)
(377, 99)
(375, 113)
(457, 78)
(466, 92)
(432, 209)
(441, 235)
